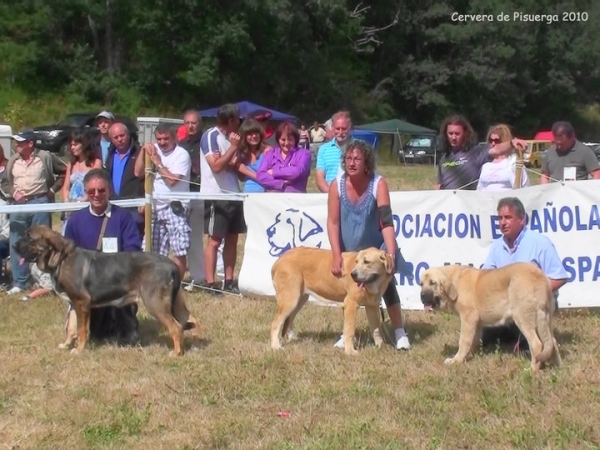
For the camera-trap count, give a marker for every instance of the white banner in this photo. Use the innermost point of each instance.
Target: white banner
(434, 228)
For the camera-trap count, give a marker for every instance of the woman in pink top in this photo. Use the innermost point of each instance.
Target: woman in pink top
(286, 168)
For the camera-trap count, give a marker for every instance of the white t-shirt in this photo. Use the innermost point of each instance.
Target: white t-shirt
(500, 176)
(213, 141)
(179, 163)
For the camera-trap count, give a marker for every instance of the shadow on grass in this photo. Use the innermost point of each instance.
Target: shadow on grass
(151, 332)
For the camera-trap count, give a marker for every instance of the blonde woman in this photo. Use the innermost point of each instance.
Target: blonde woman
(499, 174)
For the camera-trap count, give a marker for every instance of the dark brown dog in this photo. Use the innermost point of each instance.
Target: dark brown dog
(94, 279)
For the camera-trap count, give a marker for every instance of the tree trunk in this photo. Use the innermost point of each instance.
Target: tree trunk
(108, 43)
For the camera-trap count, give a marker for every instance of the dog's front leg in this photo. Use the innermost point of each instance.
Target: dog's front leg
(70, 330)
(374, 323)
(350, 309)
(83, 325)
(469, 325)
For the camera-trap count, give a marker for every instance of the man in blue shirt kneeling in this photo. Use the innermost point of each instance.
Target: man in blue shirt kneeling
(519, 244)
(110, 229)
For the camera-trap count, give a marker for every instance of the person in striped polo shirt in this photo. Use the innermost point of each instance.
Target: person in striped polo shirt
(330, 154)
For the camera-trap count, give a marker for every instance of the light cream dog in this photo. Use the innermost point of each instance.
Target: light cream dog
(518, 292)
(302, 271)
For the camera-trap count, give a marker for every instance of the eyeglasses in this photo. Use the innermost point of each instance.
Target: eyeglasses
(494, 141)
(353, 160)
(98, 191)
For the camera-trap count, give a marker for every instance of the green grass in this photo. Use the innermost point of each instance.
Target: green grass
(231, 390)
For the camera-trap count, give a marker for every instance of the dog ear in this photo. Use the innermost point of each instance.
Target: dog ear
(60, 248)
(447, 285)
(388, 263)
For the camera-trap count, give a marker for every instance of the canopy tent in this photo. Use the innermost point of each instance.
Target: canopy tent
(367, 136)
(246, 108)
(397, 128)
(544, 136)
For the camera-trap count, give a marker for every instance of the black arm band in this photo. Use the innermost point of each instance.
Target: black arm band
(385, 216)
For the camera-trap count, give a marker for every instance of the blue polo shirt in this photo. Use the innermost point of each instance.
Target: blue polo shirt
(329, 160)
(118, 168)
(531, 247)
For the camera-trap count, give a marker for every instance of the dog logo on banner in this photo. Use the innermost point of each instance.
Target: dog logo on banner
(293, 228)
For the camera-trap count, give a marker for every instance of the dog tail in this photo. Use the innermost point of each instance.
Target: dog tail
(544, 330)
(181, 313)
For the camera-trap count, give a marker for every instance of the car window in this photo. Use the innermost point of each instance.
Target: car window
(73, 120)
(420, 142)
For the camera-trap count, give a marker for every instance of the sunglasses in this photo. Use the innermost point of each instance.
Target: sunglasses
(494, 141)
(98, 191)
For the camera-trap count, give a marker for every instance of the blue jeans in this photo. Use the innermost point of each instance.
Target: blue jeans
(19, 223)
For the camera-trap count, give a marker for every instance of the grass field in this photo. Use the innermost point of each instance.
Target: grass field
(234, 392)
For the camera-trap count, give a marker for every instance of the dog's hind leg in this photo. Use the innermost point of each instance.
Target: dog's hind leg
(535, 345)
(288, 299)
(183, 316)
(550, 351)
(158, 304)
(375, 324)
(288, 325)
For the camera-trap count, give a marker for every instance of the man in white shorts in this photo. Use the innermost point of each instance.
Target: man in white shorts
(170, 225)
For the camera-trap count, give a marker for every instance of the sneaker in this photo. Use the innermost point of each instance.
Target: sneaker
(403, 343)
(14, 290)
(231, 287)
(214, 289)
(191, 286)
(340, 343)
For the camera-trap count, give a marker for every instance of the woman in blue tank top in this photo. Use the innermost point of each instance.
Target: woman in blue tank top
(359, 216)
(251, 150)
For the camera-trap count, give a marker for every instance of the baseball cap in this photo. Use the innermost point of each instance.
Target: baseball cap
(25, 135)
(106, 114)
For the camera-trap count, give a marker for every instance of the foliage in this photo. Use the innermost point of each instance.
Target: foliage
(404, 59)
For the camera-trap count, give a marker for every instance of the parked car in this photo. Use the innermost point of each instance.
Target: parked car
(597, 152)
(421, 150)
(55, 137)
(534, 153)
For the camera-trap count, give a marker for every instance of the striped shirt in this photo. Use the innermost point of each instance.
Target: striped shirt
(214, 141)
(329, 160)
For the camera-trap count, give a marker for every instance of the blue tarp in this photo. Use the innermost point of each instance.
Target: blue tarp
(248, 108)
(367, 136)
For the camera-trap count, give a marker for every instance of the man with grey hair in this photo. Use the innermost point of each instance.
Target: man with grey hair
(330, 154)
(568, 159)
(519, 244)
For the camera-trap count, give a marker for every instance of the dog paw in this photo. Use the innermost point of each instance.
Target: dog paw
(351, 352)
(276, 346)
(63, 346)
(75, 351)
(449, 361)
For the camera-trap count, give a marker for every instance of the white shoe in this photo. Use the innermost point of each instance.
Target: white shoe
(340, 343)
(14, 290)
(190, 286)
(403, 343)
